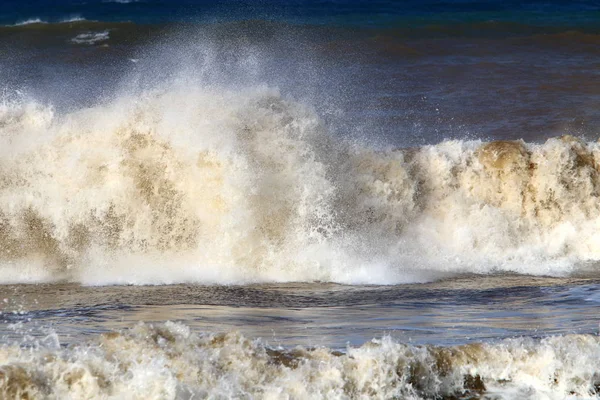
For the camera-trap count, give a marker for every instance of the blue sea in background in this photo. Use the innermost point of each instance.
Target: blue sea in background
(377, 14)
(432, 60)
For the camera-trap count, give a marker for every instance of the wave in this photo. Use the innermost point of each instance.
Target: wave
(40, 22)
(91, 37)
(170, 361)
(75, 18)
(192, 184)
(31, 21)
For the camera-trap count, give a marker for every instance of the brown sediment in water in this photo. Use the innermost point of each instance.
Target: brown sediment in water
(233, 365)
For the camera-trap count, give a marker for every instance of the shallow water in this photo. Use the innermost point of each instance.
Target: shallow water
(307, 332)
(456, 311)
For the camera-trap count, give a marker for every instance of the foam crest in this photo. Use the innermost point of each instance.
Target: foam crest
(30, 21)
(170, 361)
(224, 179)
(73, 18)
(214, 186)
(91, 37)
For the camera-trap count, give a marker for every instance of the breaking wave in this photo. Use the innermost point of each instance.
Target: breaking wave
(91, 37)
(42, 22)
(73, 18)
(210, 185)
(170, 361)
(30, 21)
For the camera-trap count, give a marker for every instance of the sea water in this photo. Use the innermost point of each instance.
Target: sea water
(338, 200)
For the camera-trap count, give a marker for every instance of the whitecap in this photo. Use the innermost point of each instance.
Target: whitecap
(75, 18)
(157, 361)
(91, 37)
(30, 21)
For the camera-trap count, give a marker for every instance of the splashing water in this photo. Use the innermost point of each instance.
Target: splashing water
(169, 361)
(215, 186)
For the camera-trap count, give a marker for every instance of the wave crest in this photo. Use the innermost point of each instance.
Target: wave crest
(212, 186)
(170, 361)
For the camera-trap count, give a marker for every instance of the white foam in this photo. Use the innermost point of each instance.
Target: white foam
(30, 21)
(91, 37)
(170, 361)
(190, 184)
(74, 18)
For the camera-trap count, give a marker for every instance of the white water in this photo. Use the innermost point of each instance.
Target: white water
(91, 37)
(168, 361)
(30, 21)
(202, 184)
(73, 18)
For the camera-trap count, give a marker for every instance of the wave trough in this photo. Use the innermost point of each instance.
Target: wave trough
(208, 185)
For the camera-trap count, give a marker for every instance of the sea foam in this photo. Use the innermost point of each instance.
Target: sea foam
(170, 361)
(30, 21)
(209, 185)
(91, 37)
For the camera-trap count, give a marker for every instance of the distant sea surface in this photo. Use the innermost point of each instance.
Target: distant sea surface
(299, 199)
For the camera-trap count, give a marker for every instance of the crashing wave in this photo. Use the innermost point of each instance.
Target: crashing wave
(215, 186)
(170, 361)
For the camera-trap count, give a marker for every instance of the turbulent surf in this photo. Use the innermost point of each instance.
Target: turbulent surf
(170, 361)
(309, 199)
(182, 181)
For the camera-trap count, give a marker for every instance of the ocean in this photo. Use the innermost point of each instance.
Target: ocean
(299, 199)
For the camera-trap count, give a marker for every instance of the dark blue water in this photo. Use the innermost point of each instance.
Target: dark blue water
(358, 13)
